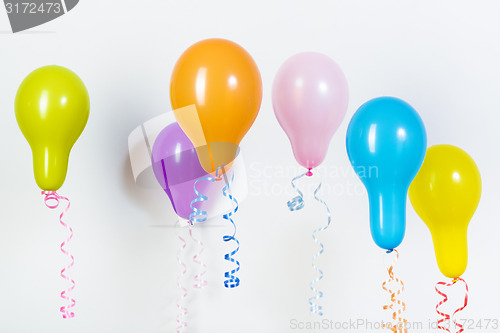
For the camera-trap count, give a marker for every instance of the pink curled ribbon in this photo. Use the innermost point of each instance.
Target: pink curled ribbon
(446, 316)
(183, 311)
(52, 195)
(199, 280)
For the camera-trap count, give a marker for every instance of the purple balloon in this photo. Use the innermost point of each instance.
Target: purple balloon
(176, 167)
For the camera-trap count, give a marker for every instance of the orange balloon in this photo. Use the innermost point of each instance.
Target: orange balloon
(222, 84)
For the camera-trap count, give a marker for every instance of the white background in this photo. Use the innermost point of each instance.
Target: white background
(440, 56)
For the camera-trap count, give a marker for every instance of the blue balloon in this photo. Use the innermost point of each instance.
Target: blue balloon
(386, 143)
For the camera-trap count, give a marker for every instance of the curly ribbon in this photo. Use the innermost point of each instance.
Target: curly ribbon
(199, 215)
(316, 308)
(398, 323)
(183, 311)
(445, 299)
(232, 281)
(199, 281)
(52, 195)
(297, 203)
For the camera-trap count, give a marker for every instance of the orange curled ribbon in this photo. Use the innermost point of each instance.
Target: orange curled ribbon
(398, 324)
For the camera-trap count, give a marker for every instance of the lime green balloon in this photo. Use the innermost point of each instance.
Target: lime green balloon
(52, 108)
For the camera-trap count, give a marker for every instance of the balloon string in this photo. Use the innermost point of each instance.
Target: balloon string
(199, 215)
(446, 316)
(399, 324)
(232, 281)
(297, 203)
(315, 308)
(52, 195)
(199, 281)
(183, 311)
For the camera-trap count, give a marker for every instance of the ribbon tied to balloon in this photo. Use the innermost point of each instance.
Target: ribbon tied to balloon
(445, 194)
(177, 169)
(216, 93)
(386, 143)
(310, 98)
(52, 108)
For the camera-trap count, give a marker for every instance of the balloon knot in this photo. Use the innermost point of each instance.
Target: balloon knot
(389, 251)
(309, 174)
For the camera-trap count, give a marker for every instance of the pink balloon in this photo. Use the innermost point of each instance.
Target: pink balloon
(310, 97)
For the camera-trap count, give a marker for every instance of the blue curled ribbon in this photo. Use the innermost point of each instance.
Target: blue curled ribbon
(231, 281)
(297, 203)
(199, 198)
(316, 308)
(199, 215)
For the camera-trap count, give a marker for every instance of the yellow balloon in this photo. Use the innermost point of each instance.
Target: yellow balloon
(52, 108)
(445, 194)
